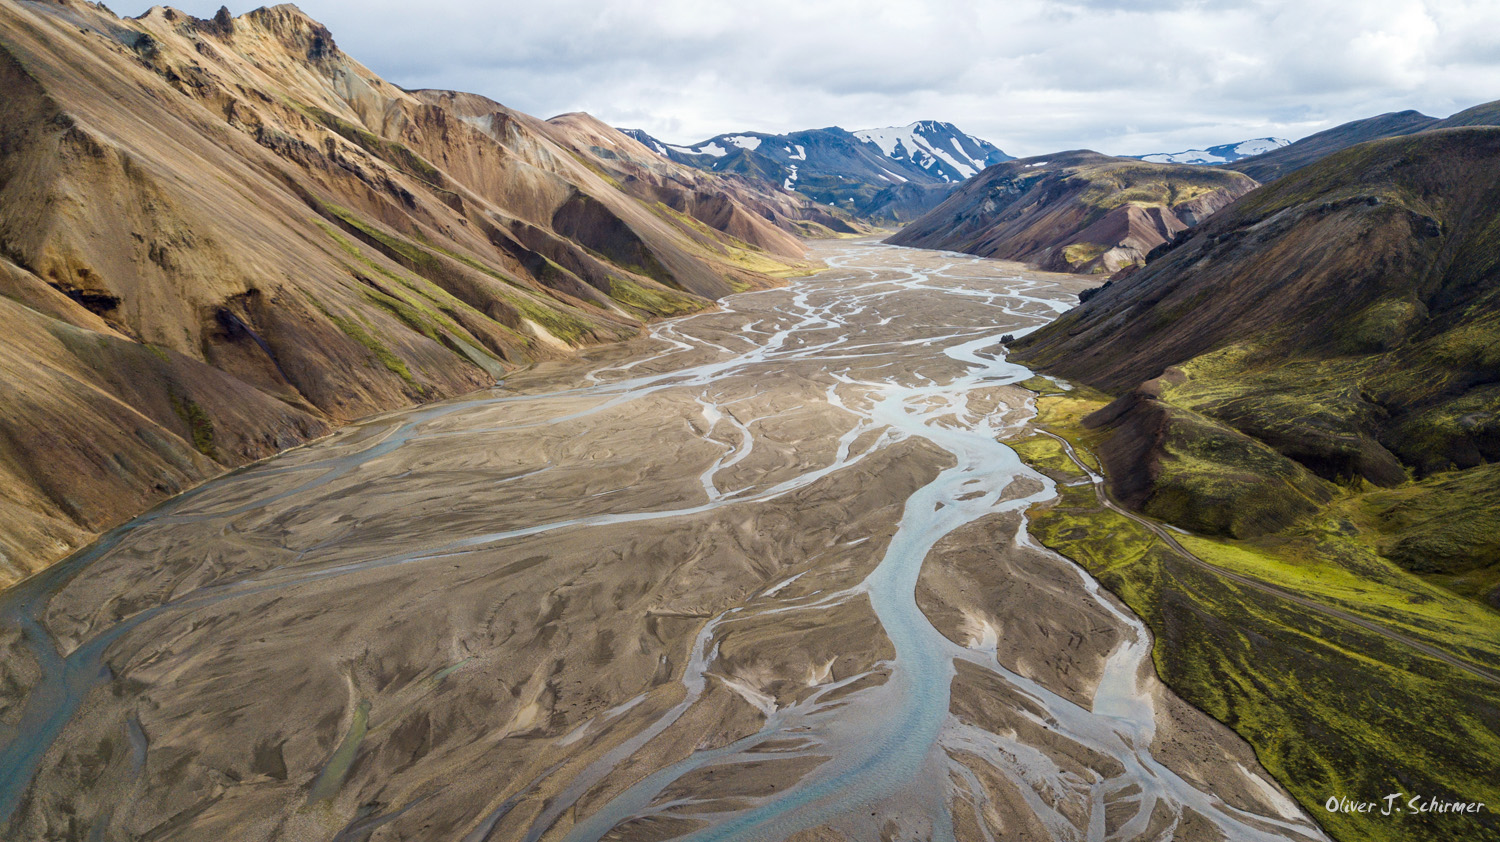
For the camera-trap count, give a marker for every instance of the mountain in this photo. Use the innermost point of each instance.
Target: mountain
(939, 149)
(1272, 165)
(1333, 334)
(1485, 114)
(1074, 211)
(221, 238)
(848, 170)
(1222, 154)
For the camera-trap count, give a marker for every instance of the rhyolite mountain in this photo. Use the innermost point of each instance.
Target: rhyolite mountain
(1224, 153)
(1333, 334)
(889, 174)
(220, 238)
(1276, 163)
(1076, 211)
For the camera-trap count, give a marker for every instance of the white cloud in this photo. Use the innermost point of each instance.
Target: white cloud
(1034, 76)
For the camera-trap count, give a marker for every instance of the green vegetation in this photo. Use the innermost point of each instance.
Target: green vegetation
(354, 330)
(200, 426)
(1331, 708)
(1446, 528)
(659, 302)
(402, 251)
(328, 782)
(1211, 478)
(389, 151)
(432, 301)
(1079, 254)
(1112, 184)
(567, 327)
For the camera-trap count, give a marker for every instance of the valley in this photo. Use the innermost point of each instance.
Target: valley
(763, 575)
(381, 462)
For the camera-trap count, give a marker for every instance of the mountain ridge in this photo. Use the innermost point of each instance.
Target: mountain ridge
(1224, 153)
(1343, 318)
(1076, 211)
(225, 237)
(847, 169)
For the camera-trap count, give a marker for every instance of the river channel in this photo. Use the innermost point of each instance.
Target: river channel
(763, 575)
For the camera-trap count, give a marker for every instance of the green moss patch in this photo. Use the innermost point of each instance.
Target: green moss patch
(200, 426)
(1330, 708)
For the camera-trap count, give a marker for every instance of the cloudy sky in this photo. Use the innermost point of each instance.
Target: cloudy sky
(1033, 76)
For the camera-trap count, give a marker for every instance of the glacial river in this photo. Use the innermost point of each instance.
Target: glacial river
(755, 579)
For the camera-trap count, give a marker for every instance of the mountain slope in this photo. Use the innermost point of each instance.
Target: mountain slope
(1074, 211)
(1344, 323)
(1224, 153)
(221, 238)
(1484, 114)
(938, 148)
(848, 170)
(1276, 163)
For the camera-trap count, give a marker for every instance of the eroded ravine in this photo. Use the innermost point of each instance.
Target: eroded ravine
(685, 595)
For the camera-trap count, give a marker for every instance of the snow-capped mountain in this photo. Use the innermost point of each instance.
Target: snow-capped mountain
(1222, 154)
(939, 148)
(847, 169)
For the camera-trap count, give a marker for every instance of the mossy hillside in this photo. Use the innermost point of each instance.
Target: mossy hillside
(727, 248)
(1360, 173)
(393, 153)
(1079, 254)
(1446, 528)
(1375, 416)
(1115, 183)
(1328, 561)
(357, 331)
(1326, 417)
(1046, 454)
(1330, 708)
(425, 307)
(651, 301)
(1216, 480)
(566, 326)
(570, 328)
(1329, 414)
(200, 426)
(355, 328)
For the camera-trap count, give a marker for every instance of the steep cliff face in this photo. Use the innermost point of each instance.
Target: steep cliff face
(1074, 211)
(1343, 325)
(222, 237)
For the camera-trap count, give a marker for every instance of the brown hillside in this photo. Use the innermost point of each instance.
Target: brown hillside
(1074, 211)
(221, 238)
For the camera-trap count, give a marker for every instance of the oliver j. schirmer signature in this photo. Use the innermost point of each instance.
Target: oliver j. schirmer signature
(1398, 803)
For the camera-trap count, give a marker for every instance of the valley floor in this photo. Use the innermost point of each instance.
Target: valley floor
(766, 575)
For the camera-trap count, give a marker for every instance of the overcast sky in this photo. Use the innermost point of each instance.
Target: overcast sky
(1032, 76)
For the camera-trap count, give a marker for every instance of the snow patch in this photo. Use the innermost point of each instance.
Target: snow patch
(1222, 154)
(915, 143)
